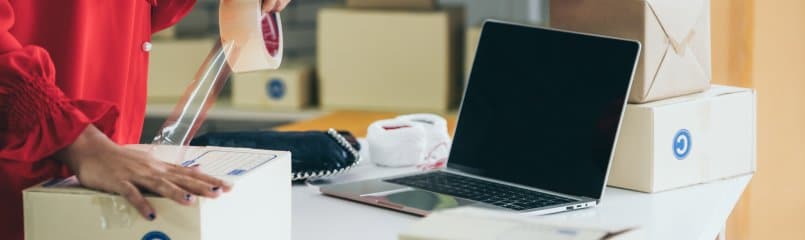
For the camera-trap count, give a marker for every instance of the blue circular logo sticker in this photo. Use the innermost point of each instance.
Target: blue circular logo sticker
(682, 144)
(156, 235)
(275, 88)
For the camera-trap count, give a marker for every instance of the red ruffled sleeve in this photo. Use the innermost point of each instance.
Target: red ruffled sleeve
(166, 13)
(36, 119)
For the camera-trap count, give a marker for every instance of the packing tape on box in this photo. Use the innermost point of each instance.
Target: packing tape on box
(415, 139)
(116, 213)
(250, 40)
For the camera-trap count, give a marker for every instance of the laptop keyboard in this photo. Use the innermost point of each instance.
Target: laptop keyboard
(481, 191)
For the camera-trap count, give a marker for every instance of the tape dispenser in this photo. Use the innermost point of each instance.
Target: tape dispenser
(250, 40)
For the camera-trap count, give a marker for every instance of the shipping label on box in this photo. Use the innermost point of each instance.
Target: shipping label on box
(389, 60)
(286, 88)
(258, 207)
(686, 140)
(675, 36)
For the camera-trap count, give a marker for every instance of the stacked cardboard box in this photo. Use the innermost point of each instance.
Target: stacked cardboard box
(686, 140)
(675, 132)
(389, 59)
(675, 57)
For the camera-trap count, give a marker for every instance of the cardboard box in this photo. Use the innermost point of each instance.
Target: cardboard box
(173, 65)
(675, 58)
(393, 4)
(389, 60)
(288, 87)
(686, 140)
(258, 207)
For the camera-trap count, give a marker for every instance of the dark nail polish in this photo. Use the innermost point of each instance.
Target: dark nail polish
(215, 189)
(187, 197)
(152, 216)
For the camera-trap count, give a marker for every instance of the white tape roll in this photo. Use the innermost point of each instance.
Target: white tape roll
(437, 146)
(396, 143)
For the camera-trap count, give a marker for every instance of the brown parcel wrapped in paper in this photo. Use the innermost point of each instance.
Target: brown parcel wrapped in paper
(675, 36)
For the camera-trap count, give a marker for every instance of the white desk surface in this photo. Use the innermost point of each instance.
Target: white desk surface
(697, 212)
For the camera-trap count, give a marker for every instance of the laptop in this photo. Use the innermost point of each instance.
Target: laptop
(536, 129)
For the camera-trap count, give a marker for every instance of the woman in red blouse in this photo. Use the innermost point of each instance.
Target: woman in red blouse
(73, 87)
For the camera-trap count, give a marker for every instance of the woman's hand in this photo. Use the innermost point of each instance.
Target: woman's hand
(274, 5)
(101, 164)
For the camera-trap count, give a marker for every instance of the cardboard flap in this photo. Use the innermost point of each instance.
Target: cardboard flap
(68, 185)
(677, 18)
(677, 73)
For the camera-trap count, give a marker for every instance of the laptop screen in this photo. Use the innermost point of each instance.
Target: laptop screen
(542, 108)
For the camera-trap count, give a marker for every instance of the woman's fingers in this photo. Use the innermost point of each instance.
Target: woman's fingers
(281, 5)
(196, 174)
(101, 164)
(162, 186)
(274, 5)
(196, 186)
(268, 5)
(133, 196)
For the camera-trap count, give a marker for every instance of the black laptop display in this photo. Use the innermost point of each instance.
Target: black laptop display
(542, 114)
(536, 130)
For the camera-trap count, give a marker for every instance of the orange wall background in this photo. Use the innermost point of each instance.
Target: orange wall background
(777, 197)
(761, 44)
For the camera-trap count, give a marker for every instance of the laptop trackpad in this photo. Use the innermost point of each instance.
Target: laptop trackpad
(424, 200)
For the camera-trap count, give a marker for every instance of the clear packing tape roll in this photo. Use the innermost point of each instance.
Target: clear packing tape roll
(250, 40)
